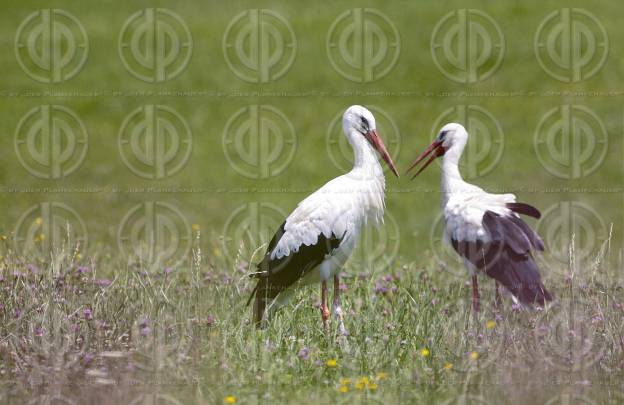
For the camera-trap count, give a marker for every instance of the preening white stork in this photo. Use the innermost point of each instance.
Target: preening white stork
(485, 229)
(318, 237)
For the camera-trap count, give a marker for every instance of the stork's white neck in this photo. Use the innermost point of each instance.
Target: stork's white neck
(452, 181)
(365, 158)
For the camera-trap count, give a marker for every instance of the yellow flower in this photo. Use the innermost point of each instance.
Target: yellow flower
(372, 387)
(364, 381)
(331, 363)
(230, 399)
(195, 227)
(42, 237)
(344, 389)
(382, 376)
(360, 386)
(490, 324)
(39, 221)
(425, 352)
(345, 381)
(447, 366)
(3, 237)
(474, 355)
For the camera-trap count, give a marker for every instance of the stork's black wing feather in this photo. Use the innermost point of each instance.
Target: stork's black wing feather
(507, 256)
(276, 275)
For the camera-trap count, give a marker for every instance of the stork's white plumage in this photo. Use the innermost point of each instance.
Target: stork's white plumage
(485, 229)
(318, 237)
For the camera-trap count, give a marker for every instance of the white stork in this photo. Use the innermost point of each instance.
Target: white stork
(318, 237)
(485, 229)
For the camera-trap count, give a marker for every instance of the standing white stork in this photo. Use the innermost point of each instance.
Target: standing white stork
(318, 237)
(485, 229)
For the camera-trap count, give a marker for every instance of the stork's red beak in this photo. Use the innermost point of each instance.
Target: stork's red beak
(435, 150)
(378, 144)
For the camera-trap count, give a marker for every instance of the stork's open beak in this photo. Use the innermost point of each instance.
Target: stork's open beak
(435, 150)
(378, 144)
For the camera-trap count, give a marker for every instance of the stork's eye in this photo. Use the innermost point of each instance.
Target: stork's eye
(443, 134)
(365, 124)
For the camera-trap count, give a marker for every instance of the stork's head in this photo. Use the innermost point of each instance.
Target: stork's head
(357, 122)
(452, 137)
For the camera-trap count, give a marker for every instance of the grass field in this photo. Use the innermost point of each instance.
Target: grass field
(124, 280)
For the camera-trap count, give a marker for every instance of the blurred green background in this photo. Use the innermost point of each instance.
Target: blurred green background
(414, 94)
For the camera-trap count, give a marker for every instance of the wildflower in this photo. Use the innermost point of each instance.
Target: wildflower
(372, 386)
(490, 324)
(515, 307)
(230, 399)
(33, 268)
(195, 227)
(359, 386)
(425, 352)
(364, 380)
(447, 366)
(168, 270)
(39, 221)
(304, 353)
(145, 328)
(82, 269)
(88, 314)
(210, 320)
(344, 389)
(3, 237)
(103, 282)
(38, 331)
(331, 363)
(345, 381)
(88, 358)
(382, 376)
(473, 355)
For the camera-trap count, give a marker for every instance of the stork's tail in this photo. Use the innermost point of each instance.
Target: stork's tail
(521, 277)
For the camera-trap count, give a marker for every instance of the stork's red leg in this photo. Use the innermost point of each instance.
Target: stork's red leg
(324, 307)
(498, 302)
(338, 307)
(476, 298)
